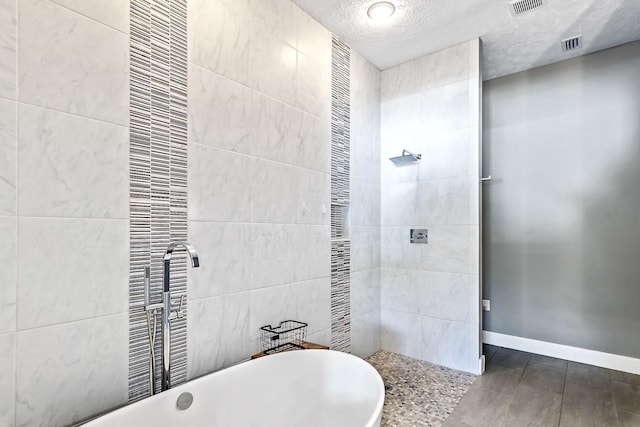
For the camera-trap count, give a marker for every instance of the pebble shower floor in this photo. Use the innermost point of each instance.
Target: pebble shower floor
(421, 394)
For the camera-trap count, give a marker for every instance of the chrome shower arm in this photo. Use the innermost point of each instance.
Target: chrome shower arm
(409, 153)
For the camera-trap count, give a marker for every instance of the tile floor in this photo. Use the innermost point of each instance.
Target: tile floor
(422, 394)
(517, 389)
(523, 389)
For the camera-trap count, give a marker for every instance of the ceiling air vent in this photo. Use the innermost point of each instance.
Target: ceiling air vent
(518, 7)
(572, 43)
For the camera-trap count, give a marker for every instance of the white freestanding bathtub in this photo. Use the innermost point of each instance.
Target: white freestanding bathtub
(309, 388)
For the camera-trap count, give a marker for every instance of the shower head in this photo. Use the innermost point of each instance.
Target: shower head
(407, 157)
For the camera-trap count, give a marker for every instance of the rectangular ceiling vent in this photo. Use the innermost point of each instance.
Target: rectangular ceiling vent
(518, 7)
(572, 43)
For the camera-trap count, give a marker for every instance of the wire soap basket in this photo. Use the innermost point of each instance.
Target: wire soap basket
(288, 335)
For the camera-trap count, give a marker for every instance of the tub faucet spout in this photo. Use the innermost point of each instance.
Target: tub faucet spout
(168, 313)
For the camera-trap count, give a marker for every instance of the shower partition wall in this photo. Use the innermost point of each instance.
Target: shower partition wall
(431, 292)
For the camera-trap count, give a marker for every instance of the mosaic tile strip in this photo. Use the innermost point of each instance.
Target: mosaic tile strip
(340, 157)
(340, 122)
(158, 176)
(338, 219)
(340, 295)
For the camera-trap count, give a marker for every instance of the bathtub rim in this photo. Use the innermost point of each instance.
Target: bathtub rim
(373, 418)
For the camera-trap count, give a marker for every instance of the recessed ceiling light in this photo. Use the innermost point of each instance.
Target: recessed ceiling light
(381, 10)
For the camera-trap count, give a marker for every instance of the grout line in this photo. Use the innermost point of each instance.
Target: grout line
(297, 224)
(513, 396)
(625, 412)
(243, 291)
(88, 17)
(326, 120)
(17, 248)
(365, 181)
(459, 177)
(67, 218)
(80, 116)
(434, 136)
(427, 271)
(422, 90)
(431, 317)
(564, 387)
(613, 397)
(4, 98)
(252, 156)
(7, 333)
(426, 225)
(68, 322)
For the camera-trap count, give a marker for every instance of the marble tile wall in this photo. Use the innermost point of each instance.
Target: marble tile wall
(259, 135)
(8, 208)
(64, 188)
(259, 182)
(258, 175)
(430, 293)
(365, 206)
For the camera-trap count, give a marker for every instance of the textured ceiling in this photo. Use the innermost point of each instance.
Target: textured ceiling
(510, 44)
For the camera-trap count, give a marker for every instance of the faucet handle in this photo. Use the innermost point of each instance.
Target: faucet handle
(180, 311)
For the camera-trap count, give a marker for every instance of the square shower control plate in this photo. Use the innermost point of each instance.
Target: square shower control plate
(419, 235)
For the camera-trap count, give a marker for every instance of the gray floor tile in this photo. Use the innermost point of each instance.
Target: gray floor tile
(480, 408)
(584, 401)
(450, 422)
(569, 420)
(626, 419)
(517, 422)
(625, 377)
(532, 406)
(489, 350)
(508, 358)
(499, 379)
(544, 378)
(591, 376)
(551, 362)
(522, 390)
(627, 397)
